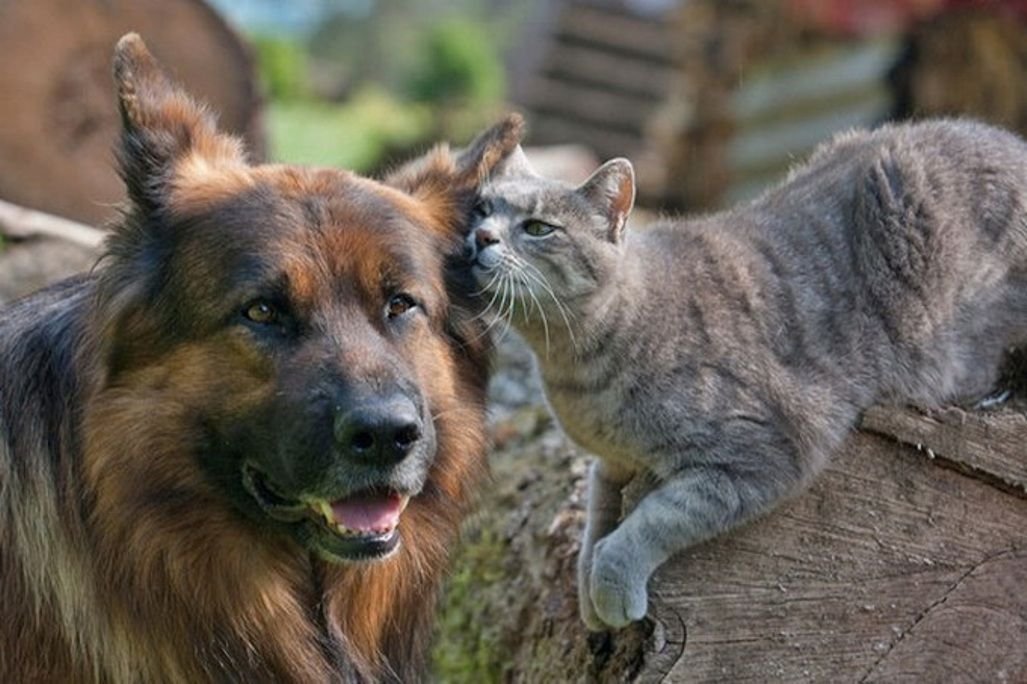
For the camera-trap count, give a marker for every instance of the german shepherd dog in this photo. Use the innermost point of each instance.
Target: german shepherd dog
(241, 448)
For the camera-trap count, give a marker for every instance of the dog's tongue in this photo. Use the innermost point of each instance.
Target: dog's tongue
(368, 512)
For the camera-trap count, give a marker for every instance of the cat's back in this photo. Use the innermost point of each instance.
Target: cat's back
(896, 253)
(951, 184)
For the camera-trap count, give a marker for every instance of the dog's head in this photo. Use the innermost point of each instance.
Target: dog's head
(288, 340)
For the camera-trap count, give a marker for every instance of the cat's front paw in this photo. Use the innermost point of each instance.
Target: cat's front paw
(617, 587)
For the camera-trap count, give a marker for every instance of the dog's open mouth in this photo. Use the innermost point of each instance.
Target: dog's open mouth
(359, 526)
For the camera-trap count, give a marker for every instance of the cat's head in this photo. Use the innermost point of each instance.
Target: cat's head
(534, 240)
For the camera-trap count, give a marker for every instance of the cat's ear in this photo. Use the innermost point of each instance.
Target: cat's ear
(162, 127)
(611, 190)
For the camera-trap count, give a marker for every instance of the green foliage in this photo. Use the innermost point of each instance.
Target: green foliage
(459, 66)
(283, 66)
(353, 135)
(411, 73)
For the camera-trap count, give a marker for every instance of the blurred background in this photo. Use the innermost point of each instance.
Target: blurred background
(712, 99)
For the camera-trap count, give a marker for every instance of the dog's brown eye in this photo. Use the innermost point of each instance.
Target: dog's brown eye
(399, 304)
(261, 312)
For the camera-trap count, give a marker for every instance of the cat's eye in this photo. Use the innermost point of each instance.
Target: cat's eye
(482, 209)
(538, 228)
(399, 304)
(261, 311)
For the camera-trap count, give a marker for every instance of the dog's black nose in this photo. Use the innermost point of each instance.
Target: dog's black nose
(380, 431)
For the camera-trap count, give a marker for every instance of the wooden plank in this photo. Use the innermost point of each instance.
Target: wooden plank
(992, 443)
(814, 78)
(21, 222)
(616, 31)
(597, 67)
(558, 127)
(784, 142)
(595, 105)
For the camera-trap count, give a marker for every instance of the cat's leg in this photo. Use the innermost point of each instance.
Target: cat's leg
(693, 506)
(605, 505)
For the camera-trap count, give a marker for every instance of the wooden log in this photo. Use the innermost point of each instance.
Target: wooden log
(58, 112)
(893, 566)
(45, 249)
(21, 222)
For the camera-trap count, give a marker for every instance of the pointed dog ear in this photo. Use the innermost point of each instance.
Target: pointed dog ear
(443, 170)
(161, 126)
(489, 151)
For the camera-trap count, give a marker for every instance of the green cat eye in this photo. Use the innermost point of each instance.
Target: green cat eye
(538, 228)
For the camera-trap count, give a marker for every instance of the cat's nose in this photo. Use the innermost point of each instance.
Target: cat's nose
(483, 238)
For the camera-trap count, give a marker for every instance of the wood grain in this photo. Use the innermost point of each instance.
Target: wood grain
(892, 567)
(837, 584)
(990, 443)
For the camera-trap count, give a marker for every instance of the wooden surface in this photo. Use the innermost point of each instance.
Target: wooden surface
(889, 568)
(39, 249)
(899, 564)
(989, 444)
(603, 73)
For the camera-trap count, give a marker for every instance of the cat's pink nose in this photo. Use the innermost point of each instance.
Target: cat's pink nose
(483, 238)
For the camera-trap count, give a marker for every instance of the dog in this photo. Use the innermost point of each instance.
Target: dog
(240, 449)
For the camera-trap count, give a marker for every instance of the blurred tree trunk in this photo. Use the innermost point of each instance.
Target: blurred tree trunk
(58, 108)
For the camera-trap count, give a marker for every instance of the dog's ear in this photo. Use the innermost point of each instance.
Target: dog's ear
(489, 151)
(161, 126)
(442, 170)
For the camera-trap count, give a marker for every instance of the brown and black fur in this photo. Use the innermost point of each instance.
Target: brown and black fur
(129, 398)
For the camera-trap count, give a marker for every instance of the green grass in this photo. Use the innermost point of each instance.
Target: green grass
(353, 135)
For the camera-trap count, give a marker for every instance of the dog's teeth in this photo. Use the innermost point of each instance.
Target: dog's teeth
(325, 509)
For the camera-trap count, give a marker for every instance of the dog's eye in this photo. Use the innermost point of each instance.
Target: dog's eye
(538, 228)
(261, 312)
(399, 304)
(482, 209)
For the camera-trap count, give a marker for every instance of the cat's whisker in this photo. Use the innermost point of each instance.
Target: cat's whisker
(509, 313)
(484, 312)
(487, 310)
(519, 268)
(540, 278)
(496, 315)
(485, 288)
(541, 310)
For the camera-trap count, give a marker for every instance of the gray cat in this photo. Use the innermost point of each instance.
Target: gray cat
(726, 357)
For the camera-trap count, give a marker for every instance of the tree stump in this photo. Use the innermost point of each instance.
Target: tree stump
(905, 561)
(59, 116)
